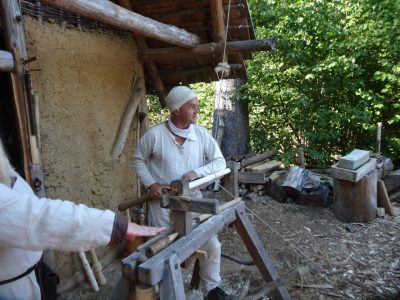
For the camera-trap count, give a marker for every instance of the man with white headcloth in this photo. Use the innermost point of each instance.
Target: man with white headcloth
(28, 225)
(180, 149)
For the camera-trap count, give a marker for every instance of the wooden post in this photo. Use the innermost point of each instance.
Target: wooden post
(355, 201)
(231, 180)
(126, 122)
(11, 21)
(115, 15)
(171, 287)
(218, 26)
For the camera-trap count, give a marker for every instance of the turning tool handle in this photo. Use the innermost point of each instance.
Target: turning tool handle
(127, 204)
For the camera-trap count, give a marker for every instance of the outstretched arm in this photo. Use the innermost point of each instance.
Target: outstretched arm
(33, 223)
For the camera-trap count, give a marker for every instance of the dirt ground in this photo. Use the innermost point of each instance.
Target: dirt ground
(363, 264)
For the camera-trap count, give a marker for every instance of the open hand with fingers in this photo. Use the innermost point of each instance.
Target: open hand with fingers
(135, 230)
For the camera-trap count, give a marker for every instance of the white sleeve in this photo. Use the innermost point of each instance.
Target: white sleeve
(214, 155)
(141, 158)
(31, 223)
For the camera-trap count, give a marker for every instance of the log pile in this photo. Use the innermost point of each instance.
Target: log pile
(261, 175)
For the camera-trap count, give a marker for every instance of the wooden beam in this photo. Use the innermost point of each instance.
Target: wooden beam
(11, 23)
(151, 271)
(209, 49)
(115, 15)
(217, 20)
(256, 249)
(156, 81)
(6, 61)
(218, 26)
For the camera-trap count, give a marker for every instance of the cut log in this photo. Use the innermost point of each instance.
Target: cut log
(353, 175)
(355, 201)
(6, 61)
(275, 191)
(295, 180)
(209, 49)
(353, 160)
(258, 158)
(115, 15)
(383, 198)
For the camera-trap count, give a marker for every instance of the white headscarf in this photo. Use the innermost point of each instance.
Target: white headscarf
(178, 96)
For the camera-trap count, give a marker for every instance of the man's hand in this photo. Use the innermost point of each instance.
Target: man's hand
(189, 176)
(135, 230)
(156, 190)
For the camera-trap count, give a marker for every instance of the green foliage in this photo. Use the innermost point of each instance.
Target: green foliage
(205, 93)
(334, 75)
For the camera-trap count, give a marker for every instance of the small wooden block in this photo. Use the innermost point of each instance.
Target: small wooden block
(380, 211)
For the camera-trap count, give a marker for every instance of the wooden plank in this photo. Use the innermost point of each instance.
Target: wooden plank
(250, 177)
(6, 61)
(171, 288)
(151, 271)
(266, 166)
(353, 175)
(353, 160)
(256, 249)
(383, 198)
(115, 15)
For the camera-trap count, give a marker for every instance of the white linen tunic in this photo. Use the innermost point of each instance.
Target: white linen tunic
(159, 158)
(29, 225)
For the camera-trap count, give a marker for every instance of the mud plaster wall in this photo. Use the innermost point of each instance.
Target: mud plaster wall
(84, 85)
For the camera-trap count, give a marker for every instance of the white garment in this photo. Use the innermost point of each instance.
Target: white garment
(29, 225)
(160, 159)
(15, 261)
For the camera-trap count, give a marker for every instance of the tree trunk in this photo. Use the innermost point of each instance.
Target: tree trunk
(233, 113)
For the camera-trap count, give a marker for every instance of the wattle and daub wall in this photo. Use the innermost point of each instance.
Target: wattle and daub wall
(84, 82)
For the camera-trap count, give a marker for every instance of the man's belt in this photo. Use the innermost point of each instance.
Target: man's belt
(19, 276)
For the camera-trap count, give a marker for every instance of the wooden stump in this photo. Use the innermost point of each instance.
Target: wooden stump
(356, 201)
